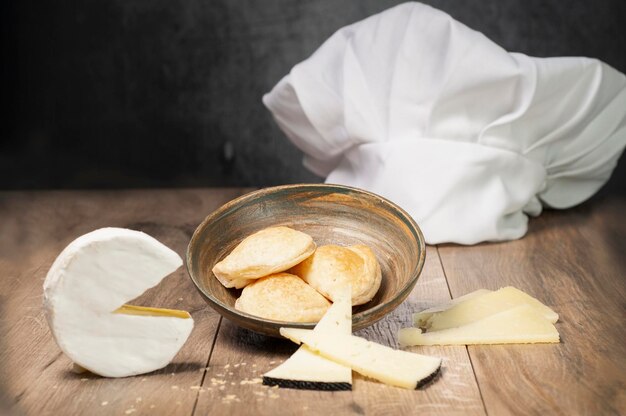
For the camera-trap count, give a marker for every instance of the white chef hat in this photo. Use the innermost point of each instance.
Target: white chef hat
(468, 138)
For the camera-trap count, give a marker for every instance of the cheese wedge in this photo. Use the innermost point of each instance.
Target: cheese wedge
(481, 306)
(394, 367)
(84, 302)
(422, 317)
(519, 325)
(307, 370)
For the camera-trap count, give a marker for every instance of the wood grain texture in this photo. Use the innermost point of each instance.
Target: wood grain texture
(36, 227)
(455, 392)
(574, 262)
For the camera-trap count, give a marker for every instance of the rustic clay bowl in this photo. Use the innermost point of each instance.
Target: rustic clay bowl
(330, 214)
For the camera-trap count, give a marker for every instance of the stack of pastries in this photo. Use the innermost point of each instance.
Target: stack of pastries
(286, 277)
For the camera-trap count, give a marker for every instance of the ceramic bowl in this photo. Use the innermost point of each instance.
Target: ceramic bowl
(331, 214)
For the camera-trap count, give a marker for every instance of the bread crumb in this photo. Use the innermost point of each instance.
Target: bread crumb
(104, 403)
(230, 398)
(215, 381)
(227, 365)
(251, 381)
(84, 379)
(152, 406)
(174, 387)
(180, 299)
(194, 388)
(178, 403)
(143, 379)
(129, 411)
(138, 400)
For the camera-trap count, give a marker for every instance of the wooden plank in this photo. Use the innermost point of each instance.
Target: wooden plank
(36, 227)
(573, 261)
(240, 357)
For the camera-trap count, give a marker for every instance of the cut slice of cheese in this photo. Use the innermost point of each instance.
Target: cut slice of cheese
(84, 302)
(307, 370)
(394, 367)
(148, 311)
(519, 325)
(481, 306)
(420, 318)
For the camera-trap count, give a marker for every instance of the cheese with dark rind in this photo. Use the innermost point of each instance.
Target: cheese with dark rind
(306, 385)
(394, 367)
(307, 370)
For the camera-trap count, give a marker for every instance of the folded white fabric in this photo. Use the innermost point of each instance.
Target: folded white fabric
(465, 136)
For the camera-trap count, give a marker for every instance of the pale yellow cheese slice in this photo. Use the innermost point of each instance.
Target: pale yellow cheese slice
(422, 317)
(149, 311)
(484, 305)
(519, 325)
(307, 369)
(395, 367)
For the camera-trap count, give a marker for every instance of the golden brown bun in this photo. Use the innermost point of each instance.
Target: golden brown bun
(282, 297)
(268, 251)
(332, 267)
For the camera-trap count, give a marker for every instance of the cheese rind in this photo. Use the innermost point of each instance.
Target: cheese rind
(306, 369)
(519, 325)
(481, 306)
(91, 280)
(394, 367)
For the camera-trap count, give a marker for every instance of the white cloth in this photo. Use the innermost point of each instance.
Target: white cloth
(466, 137)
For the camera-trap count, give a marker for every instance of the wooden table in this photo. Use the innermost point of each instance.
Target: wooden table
(574, 260)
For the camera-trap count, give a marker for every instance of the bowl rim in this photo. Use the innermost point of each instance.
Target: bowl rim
(358, 317)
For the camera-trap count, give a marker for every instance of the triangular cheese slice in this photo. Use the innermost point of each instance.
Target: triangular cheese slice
(519, 325)
(481, 306)
(420, 318)
(307, 370)
(395, 367)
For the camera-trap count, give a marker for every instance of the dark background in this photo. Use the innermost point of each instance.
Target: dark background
(167, 93)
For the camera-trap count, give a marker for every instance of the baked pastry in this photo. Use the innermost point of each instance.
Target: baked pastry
(268, 251)
(332, 267)
(282, 297)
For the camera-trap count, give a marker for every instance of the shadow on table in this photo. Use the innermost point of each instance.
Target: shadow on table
(175, 368)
